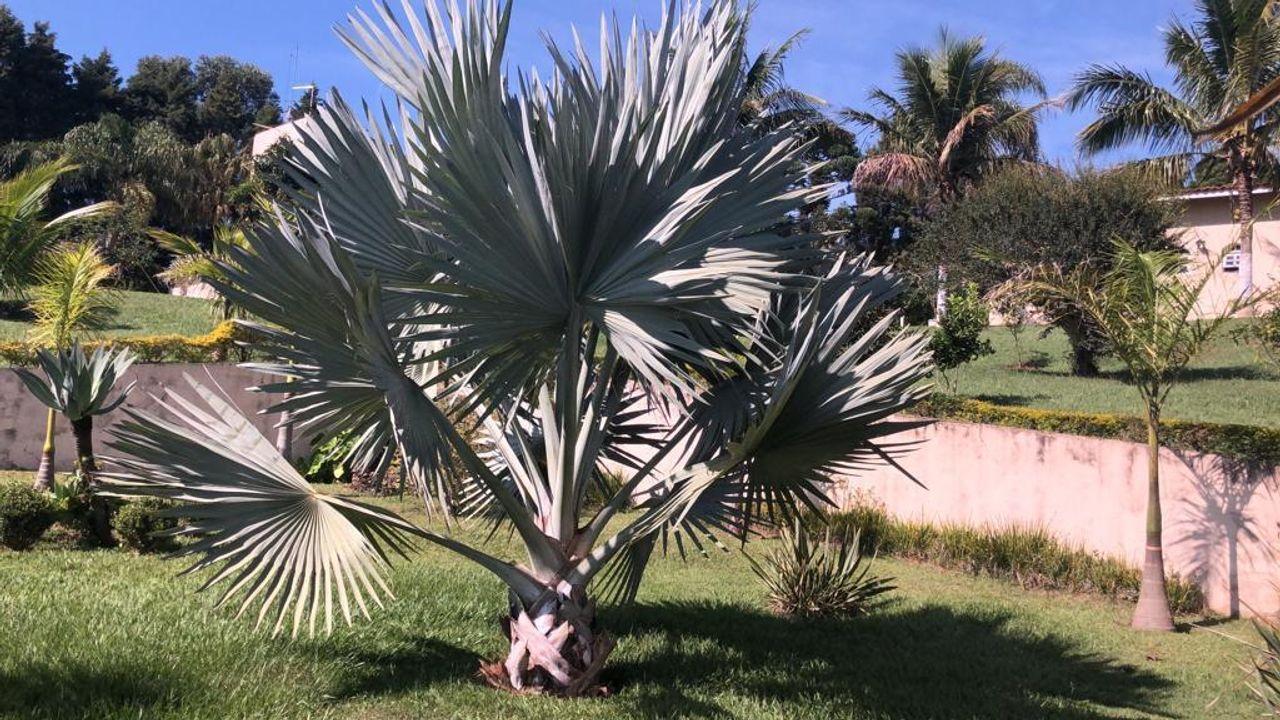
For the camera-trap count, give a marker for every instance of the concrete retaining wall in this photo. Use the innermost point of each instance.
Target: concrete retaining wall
(1220, 517)
(22, 417)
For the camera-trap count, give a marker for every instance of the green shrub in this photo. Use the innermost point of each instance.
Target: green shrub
(1263, 335)
(25, 514)
(139, 524)
(1246, 443)
(1030, 557)
(327, 462)
(808, 578)
(958, 338)
(74, 511)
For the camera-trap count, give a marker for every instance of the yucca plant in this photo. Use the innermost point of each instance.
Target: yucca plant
(69, 298)
(1145, 307)
(805, 577)
(80, 386)
(586, 270)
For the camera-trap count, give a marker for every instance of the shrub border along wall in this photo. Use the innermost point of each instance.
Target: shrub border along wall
(1246, 443)
(221, 344)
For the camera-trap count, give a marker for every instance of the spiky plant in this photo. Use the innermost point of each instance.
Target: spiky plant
(583, 268)
(79, 386)
(808, 577)
(70, 298)
(1145, 308)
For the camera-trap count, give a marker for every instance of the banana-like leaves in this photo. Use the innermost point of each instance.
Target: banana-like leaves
(294, 554)
(78, 385)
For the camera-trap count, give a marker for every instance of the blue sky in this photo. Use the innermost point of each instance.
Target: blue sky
(850, 48)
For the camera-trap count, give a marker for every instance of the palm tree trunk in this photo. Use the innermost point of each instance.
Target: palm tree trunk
(1152, 612)
(1244, 216)
(555, 647)
(100, 511)
(44, 475)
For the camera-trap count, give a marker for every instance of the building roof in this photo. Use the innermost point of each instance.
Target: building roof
(1215, 191)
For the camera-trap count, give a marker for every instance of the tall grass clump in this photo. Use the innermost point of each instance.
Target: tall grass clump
(1028, 556)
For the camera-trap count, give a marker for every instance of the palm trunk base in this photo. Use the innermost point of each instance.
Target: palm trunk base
(44, 475)
(1152, 612)
(555, 650)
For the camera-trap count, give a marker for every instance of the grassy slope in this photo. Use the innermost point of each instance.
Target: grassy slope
(140, 314)
(109, 635)
(1227, 384)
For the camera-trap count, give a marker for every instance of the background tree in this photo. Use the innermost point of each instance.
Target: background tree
(1023, 217)
(164, 89)
(97, 87)
(1144, 306)
(233, 97)
(13, 42)
(581, 276)
(45, 103)
(956, 117)
(1229, 52)
(69, 298)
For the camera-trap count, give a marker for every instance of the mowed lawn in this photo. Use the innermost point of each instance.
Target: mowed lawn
(107, 634)
(1228, 384)
(140, 313)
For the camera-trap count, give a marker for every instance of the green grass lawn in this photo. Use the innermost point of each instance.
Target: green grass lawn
(140, 314)
(1227, 384)
(106, 634)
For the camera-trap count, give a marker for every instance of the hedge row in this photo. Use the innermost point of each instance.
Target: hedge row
(1246, 443)
(219, 345)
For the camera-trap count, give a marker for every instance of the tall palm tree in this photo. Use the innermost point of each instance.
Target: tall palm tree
(609, 247)
(1229, 54)
(25, 232)
(770, 103)
(69, 298)
(957, 115)
(1144, 306)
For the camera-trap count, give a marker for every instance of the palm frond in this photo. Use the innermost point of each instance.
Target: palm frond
(276, 544)
(70, 296)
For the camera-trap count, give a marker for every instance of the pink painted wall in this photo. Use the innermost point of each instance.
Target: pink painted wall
(22, 417)
(1220, 518)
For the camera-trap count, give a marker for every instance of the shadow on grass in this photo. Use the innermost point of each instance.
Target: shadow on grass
(16, 311)
(704, 660)
(1195, 374)
(931, 662)
(72, 690)
(420, 662)
(1008, 399)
